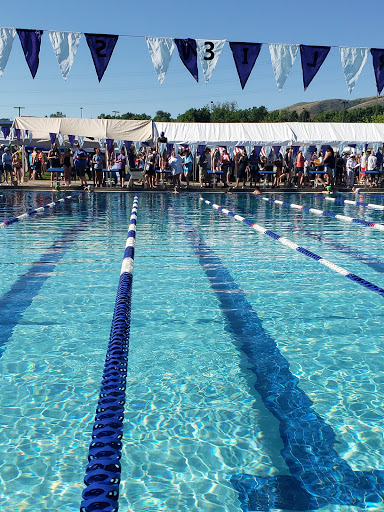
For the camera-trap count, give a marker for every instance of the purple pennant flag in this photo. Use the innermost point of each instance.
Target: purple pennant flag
(17, 133)
(101, 46)
(128, 144)
(312, 58)
(109, 144)
(245, 55)
(71, 139)
(276, 149)
(324, 148)
(30, 41)
(378, 66)
(257, 150)
(52, 136)
(312, 149)
(169, 148)
(188, 55)
(295, 150)
(5, 131)
(201, 149)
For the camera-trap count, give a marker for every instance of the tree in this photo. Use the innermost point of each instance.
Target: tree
(162, 116)
(58, 114)
(304, 116)
(195, 115)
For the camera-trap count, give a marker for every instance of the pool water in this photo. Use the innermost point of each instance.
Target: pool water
(199, 412)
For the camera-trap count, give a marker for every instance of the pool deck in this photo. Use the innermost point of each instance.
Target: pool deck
(194, 187)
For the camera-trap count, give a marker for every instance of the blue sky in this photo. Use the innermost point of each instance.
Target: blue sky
(130, 83)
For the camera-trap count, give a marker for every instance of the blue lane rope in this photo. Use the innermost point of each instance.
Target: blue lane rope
(42, 209)
(353, 203)
(325, 213)
(102, 475)
(288, 243)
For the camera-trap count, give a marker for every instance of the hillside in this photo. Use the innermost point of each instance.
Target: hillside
(316, 107)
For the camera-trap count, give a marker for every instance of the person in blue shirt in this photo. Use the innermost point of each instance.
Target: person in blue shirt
(187, 165)
(81, 159)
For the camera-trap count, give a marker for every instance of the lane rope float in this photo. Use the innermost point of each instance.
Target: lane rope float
(41, 209)
(325, 213)
(102, 475)
(288, 243)
(353, 203)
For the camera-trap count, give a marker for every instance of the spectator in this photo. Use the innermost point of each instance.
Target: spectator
(81, 159)
(187, 165)
(202, 164)
(329, 165)
(121, 161)
(351, 166)
(7, 164)
(54, 158)
(17, 166)
(98, 165)
(300, 161)
(176, 165)
(35, 163)
(243, 167)
(67, 166)
(149, 169)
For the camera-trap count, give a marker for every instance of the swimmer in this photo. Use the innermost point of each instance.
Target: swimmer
(328, 190)
(356, 190)
(229, 191)
(257, 191)
(57, 187)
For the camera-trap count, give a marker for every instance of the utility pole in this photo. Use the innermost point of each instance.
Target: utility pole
(81, 112)
(20, 108)
(211, 107)
(115, 112)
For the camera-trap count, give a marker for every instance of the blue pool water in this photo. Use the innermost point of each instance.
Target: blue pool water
(201, 407)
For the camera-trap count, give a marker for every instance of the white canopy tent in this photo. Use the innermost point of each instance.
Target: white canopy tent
(242, 134)
(116, 129)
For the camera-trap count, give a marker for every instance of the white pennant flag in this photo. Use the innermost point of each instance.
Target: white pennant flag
(248, 149)
(282, 57)
(352, 61)
(137, 146)
(120, 144)
(60, 138)
(80, 140)
(193, 149)
(7, 36)
(30, 136)
(65, 45)
(102, 142)
(209, 53)
(160, 50)
(268, 150)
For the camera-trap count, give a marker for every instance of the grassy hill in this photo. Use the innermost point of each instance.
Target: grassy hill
(316, 107)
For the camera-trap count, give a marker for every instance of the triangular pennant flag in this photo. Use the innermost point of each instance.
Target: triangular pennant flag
(119, 145)
(160, 49)
(30, 41)
(128, 144)
(52, 136)
(245, 55)
(209, 53)
(283, 149)
(375, 147)
(257, 150)
(7, 36)
(162, 147)
(230, 150)
(102, 142)
(60, 138)
(30, 136)
(318, 148)
(109, 144)
(200, 149)
(276, 149)
(176, 148)
(248, 149)
(188, 55)
(65, 45)
(282, 57)
(71, 139)
(169, 148)
(295, 150)
(193, 149)
(352, 61)
(17, 133)
(80, 140)
(312, 58)
(101, 46)
(324, 148)
(12, 133)
(137, 146)
(5, 131)
(340, 148)
(312, 149)
(378, 65)
(267, 150)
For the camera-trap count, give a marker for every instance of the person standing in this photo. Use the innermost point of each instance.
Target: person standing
(187, 165)
(17, 166)
(81, 159)
(7, 164)
(202, 163)
(226, 168)
(351, 166)
(67, 166)
(98, 165)
(54, 158)
(121, 161)
(300, 161)
(371, 164)
(329, 165)
(176, 165)
(243, 166)
(35, 163)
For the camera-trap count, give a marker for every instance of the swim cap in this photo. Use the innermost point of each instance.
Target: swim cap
(329, 188)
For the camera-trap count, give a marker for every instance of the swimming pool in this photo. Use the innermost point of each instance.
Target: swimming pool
(200, 413)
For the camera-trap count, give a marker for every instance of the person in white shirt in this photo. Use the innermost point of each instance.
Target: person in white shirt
(176, 165)
(351, 166)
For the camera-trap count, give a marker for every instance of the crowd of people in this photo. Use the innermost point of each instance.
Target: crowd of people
(213, 166)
